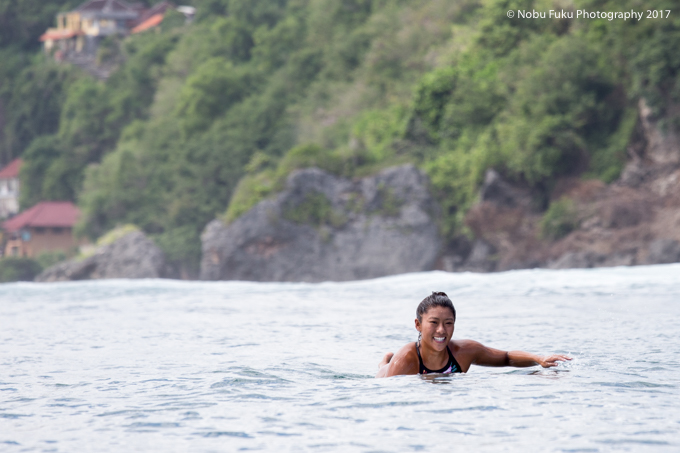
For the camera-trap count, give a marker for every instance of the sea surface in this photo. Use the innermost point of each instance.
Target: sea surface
(161, 365)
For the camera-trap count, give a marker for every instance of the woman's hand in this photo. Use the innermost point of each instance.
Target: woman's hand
(548, 361)
(493, 357)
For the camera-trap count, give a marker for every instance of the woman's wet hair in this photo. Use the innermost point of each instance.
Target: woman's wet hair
(436, 299)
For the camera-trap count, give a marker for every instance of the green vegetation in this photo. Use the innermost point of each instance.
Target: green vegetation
(265, 175)
(15, 269)
(18, 269)
(47, 259)
(23, 21)
(315, 210)
(390, 204)
(92, 117)
(115, 234)
(109, 237)
(205, 120)
(559, 220)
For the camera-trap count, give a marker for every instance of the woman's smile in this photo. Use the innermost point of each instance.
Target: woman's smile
(436, 328)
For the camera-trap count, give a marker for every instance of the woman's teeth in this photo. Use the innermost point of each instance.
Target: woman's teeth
(439, 339)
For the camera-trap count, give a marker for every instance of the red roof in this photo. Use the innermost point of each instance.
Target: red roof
(61, 34)
(11, 170)
(151, 22)
(45, 214)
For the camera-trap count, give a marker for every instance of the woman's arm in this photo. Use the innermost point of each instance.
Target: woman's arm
(521, 359)
(478, 354)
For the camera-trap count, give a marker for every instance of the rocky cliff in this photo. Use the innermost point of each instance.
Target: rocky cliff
(132, 256)
(322, 227)
(634, 220)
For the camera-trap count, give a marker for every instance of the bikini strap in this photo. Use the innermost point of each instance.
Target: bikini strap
(421, 366)
(453, 361)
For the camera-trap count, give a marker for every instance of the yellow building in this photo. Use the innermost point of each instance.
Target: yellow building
(80, 30)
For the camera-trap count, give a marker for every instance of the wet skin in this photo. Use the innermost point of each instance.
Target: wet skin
(437, 328)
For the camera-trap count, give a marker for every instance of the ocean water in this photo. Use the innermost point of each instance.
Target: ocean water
(160, 365)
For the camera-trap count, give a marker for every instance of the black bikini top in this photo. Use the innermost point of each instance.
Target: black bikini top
(451, 366)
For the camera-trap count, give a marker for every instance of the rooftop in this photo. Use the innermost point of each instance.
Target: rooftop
(151, 22)
(44, 214)
(59, 34)
(11, 170)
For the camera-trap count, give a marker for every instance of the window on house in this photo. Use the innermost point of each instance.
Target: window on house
(57, 230)
(15, 251)
(39, 230)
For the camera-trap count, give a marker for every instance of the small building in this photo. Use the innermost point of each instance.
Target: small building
(9, 189)
(46, 227)
(80, 30)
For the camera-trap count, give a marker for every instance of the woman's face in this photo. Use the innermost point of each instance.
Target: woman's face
(436, 327)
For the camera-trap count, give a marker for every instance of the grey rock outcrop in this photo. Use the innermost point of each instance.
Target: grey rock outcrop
(663, 146)
(663, 251)
(132, 256)
(481, 257)
(584, 259)
(575, 260)
(322, 227)
(469, 256)
(654, 150)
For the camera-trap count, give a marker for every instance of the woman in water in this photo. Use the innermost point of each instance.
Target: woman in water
(436, 352)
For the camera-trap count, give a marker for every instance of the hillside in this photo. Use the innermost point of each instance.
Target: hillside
(205, 120)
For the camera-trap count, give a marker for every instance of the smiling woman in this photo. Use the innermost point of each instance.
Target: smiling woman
(436, 352)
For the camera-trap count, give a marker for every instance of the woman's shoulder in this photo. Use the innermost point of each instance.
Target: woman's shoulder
(405, 361)
(465, 352)
(464, 345)
(406, 354)
(407, 349)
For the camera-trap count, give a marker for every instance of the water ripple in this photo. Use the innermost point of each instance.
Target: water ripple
(159, 365)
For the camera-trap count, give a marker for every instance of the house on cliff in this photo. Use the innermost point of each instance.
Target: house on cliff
(79, 32)
(9, 189)
(46, 227)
